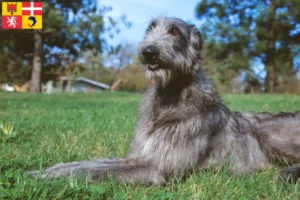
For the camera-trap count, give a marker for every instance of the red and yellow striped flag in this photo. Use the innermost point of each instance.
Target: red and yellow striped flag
(22, 15)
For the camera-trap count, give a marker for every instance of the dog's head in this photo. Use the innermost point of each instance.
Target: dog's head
(170, 47)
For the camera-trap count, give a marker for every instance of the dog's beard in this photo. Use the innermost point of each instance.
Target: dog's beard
(162, 76)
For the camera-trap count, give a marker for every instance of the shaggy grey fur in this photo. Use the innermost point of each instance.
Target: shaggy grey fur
(183, 124)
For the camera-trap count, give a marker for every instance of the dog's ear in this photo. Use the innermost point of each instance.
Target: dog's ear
(196, 38)
(151, 26)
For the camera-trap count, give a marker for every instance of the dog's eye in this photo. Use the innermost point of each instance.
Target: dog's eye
(174, 31)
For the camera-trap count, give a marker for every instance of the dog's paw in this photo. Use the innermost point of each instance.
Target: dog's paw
(32, 173)
(290, 174)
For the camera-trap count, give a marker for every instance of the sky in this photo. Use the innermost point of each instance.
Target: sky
(140, 13)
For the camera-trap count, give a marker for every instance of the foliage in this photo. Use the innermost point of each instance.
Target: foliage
(64, 128)
(237, 33)
(69, 28)
(6, 132)
(133, 78)
(122, 55)
(125, 69)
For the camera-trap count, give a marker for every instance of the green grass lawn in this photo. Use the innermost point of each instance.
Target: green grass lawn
(63, 128)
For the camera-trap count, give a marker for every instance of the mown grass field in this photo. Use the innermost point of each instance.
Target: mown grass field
(62, 128)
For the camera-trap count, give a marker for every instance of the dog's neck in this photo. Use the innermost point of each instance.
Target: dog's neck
(194, 83)
(177, 83)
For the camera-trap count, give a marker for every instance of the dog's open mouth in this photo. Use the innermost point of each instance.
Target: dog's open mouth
(153, 67)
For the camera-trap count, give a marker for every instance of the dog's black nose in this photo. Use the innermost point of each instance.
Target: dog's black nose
(151, 54)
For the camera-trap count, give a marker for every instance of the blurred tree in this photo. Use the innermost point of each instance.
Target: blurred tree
(252, 83)
(237, 32)
(69, 27)
(133, 77)
(95, 70)
(122, 55)
(120, 59)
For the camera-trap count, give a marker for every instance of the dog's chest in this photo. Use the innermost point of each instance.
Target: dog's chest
(170, 152)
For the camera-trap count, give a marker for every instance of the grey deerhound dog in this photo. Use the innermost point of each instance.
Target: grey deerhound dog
(183, 124)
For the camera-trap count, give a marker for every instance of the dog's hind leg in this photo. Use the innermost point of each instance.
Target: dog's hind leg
(290, 174)
(279, 136)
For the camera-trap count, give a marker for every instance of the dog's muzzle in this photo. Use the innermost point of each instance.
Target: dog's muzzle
(150, 54)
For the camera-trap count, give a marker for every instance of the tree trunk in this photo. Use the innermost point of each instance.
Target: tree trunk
(270, 52)
(35, 84)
